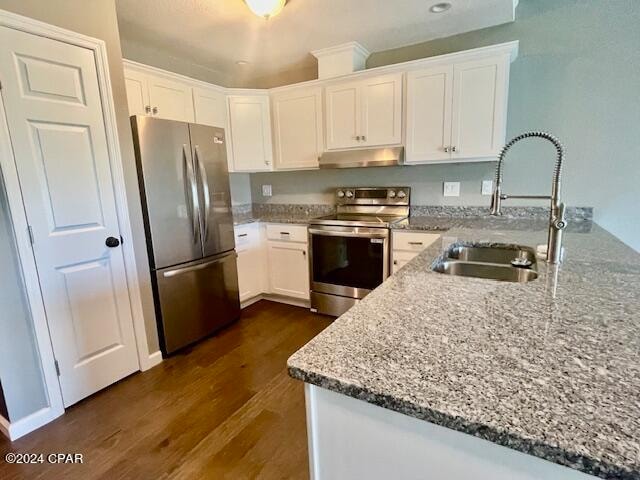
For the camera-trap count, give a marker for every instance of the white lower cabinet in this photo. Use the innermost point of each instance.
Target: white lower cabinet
(407, 245)
(251, 261)
(272, 259)
(288, 269)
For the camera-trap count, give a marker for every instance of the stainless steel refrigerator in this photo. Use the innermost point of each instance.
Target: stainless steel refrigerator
(186, 202)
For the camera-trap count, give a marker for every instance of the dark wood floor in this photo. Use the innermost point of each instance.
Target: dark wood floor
(224, 410)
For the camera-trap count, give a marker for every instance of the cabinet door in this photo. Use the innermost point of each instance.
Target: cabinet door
(479, 99)
(400, 259)
(250, 126)
(137, 92)
(429, 103)
(289, 269)
(249, 271)
(170, 100)
(297, 124)
(381, 104)
(343, 116)
(210, 107)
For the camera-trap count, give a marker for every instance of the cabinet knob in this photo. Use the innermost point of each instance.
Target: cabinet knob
(358, 138)
(453, 149)
(446, 149)
(155, 110)
(364, 139)
(147, 109)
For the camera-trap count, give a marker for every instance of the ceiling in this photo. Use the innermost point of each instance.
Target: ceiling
(218, 33)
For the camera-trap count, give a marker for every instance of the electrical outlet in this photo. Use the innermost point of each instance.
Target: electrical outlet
(451, 189)
(487, 187)
(266, 191)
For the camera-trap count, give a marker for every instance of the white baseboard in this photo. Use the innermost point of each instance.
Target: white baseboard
(151, 361)
(296, 302)
(15, 430)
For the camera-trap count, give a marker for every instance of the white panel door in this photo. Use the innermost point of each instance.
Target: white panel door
(55, 119)
(210, 107)
(170, 100)
(250, 124)
(137, 92)
(343, 116)
(297, 124)
(479, 99)
(429, 103)
(381, 102)
(289, 269)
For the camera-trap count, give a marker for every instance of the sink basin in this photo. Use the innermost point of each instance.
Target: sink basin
(502, 262)
(493, 271)
(491, 254)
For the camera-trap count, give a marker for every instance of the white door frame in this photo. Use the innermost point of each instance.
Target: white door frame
(18, 215)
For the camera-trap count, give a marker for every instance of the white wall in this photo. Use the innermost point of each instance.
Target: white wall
(20, 368)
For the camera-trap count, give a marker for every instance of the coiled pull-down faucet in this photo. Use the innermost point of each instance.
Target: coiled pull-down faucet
(557, 221)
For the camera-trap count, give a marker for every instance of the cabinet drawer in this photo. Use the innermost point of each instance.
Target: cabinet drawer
(413, 241)
(287, 233)
(246, 236)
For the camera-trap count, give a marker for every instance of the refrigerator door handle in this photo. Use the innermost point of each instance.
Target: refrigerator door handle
(192, 194)
(201, 266)
(204, 184)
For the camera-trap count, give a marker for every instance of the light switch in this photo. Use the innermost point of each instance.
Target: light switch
(266, 191)
(451, 189)
(487, 187)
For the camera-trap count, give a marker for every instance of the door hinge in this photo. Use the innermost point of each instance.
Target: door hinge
(57, 365)
(30, 232)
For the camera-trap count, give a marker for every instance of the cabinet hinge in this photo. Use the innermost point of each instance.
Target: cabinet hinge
(30, 232)
(57, 365)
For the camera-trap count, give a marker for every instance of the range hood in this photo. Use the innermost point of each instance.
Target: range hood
(369, 157)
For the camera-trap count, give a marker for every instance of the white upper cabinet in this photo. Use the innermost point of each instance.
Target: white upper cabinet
(342, 113)
(250, 133)
(137, 92)
(479, 108)
(429, 103)
(364, 113)
(170, 99)
(297, 128)
(157, 96)
(457, 112)
(210, 105)
(381, 103)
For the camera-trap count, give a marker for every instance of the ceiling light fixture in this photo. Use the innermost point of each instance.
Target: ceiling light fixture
(242, 63)
(440, 7)
(266, 8)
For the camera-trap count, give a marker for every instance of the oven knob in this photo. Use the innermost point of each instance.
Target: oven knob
(401, 194)
(340, 194)
(349, 194)
(392, 194)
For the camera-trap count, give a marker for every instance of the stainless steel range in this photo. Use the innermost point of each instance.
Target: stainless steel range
(349, 251)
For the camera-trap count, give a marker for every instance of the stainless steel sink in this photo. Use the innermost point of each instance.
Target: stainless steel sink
(506, 263)
(489, 254)
(493, 271)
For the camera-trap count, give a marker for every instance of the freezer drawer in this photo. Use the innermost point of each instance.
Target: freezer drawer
(196, 299)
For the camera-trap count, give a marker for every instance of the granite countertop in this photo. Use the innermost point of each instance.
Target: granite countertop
(550, 368)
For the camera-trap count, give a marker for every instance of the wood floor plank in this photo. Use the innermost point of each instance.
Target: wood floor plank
(224, 409)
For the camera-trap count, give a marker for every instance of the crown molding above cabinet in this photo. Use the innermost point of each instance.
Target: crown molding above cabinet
(444, 109)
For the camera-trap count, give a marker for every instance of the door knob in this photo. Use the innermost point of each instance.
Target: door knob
(112, 242)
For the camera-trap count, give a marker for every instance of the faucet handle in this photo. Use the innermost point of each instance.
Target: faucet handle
(560, 220)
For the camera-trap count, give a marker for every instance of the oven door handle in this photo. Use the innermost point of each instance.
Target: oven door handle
(334, 233)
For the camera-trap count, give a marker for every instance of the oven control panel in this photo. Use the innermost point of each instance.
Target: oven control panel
(373, 195)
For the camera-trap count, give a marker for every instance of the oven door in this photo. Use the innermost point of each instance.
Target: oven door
(348, 261)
